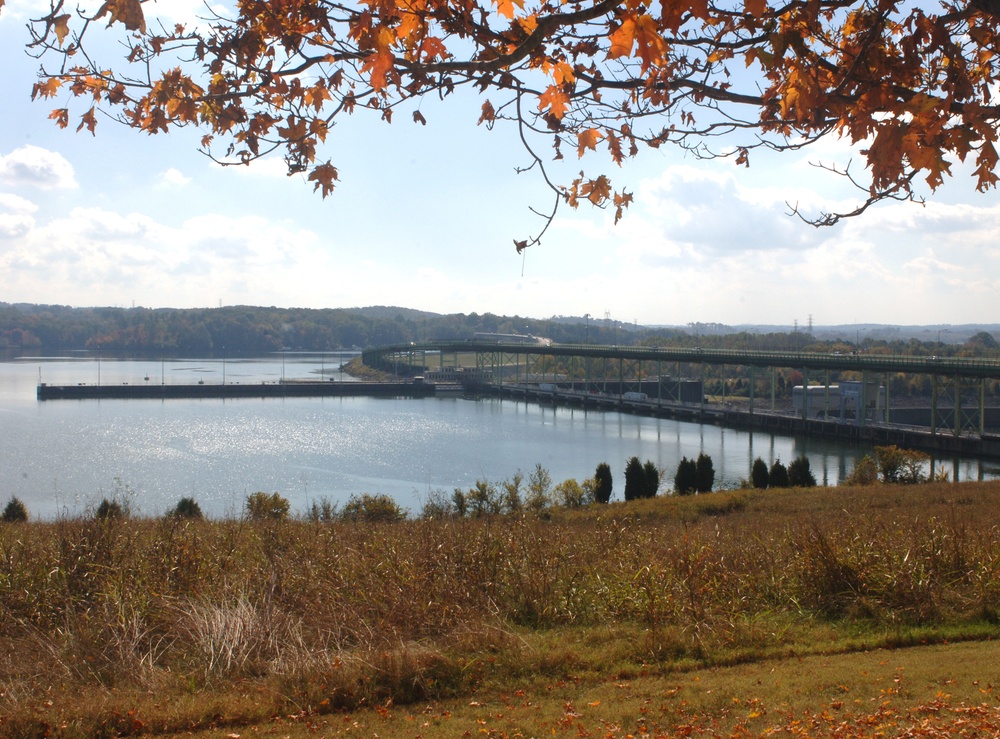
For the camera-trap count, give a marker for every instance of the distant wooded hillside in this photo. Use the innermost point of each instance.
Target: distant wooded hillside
(246, 330)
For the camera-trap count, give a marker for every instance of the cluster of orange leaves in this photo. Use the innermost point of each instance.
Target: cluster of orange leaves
(917, 88)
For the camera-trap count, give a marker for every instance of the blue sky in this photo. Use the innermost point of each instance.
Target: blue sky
(425, 217)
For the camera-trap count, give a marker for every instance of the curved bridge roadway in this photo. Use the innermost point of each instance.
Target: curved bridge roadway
(879, 363)
(953, 377)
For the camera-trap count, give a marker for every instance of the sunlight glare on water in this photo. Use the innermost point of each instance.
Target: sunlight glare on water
(61, 457)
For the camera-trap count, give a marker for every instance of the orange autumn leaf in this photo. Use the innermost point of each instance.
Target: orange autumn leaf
(554, 100)
(46, 88)
(588, 140)
(488, 114)
(641, 33)
(756, 8)
(60, 116)
(324, 176)
(294, 131)
(127, 12)
(88, 120)
(60, 25)
(986, 167)
(597, 190)
(506, 7)
(621, 201)
(623, 39)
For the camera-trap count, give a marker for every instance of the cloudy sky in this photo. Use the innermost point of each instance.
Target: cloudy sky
(425, 217)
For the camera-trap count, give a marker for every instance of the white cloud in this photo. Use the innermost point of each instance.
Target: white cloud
(16, 216)
(15, 225)
(272, 167)
(18, 11)
(32, 166)
(15, 204)
(175, 177)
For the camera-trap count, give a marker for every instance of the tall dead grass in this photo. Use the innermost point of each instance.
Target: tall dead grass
(337, 614)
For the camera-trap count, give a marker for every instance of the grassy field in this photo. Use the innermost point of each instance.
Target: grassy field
(733, 613)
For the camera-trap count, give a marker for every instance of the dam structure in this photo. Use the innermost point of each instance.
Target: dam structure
(840, 395)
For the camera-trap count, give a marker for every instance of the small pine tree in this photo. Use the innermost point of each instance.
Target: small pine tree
(799, 473)
(758, 474)
(15, 511)
(686, 478)
(602, 477)
(705, 473)
(186, 508)
(459, 503)
(110, 510)
(778, 475)
(635, 479)
(321, 510)
(651, 479)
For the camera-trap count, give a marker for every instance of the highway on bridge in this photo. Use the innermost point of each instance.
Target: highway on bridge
(969, 368)
(957, 399)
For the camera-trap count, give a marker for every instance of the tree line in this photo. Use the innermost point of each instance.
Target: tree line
(257, 329)
(253, 329)
(536, 493)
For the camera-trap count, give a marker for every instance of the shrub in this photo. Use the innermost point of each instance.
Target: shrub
(110, 510)
(512, 502)
(778, 475)
(865, 472)
(603, 483)
(759, 476)
(262, 506)
(799, 473)
(704, 473)
(539, 487)
(901, 466)
(186, 508)
(437, 506)
(571, 494)
(368, 507)
(15, 511)
(483, 499)
(686, 478)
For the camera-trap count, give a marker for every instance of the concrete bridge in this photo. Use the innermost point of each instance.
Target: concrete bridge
(657, 381)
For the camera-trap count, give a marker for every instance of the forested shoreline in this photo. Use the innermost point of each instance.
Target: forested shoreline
(252, 330)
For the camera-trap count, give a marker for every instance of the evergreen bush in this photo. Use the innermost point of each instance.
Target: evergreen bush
(15, 511)
(759, 476)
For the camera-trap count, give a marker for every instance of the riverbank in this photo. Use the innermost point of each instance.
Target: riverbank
(167, 625)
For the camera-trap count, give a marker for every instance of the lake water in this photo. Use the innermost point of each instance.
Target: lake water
(62, 457)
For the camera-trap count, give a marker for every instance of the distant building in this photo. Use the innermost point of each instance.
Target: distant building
(461, 375)
(850, 400)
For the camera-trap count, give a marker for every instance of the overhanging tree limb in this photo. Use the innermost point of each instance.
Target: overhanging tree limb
(718, 79)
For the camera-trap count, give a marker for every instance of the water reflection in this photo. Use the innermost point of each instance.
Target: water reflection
(61, 456)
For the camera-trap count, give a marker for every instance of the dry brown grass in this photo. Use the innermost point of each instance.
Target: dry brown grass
(226, 623)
